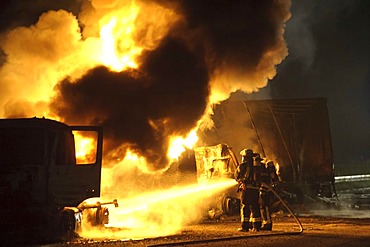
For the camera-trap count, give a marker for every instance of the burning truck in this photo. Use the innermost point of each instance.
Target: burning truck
(294, 133)
(215, 163)
(43, 185)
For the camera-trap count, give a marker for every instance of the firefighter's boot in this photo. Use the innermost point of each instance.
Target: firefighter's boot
(245, 227)
(256, 226)
(267, 227)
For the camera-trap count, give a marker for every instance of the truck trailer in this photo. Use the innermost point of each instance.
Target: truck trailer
(293, 133)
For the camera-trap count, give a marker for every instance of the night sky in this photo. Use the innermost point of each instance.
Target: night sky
(329, 57)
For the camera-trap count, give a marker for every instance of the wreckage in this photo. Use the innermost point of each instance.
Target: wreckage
(294, 133)
(43, 187)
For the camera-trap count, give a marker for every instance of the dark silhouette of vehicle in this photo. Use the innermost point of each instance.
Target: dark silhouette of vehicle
(43, 188)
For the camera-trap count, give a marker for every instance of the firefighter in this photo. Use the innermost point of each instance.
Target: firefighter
(248, 177)
(269, 178)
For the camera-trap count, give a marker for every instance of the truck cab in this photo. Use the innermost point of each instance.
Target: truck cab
(41, 181)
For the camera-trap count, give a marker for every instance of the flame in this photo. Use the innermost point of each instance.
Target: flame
(178, 144)
(132, 156)
(131, 159)
(115, 36)
(118, 46)
(85, 147)
(277, 168)
(125, 33)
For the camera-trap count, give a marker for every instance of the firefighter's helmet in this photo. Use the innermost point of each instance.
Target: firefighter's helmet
(246, 152)
(270, 163)
(258, 157)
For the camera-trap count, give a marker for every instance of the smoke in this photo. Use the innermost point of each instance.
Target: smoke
(327, 50)
(37, 57)
(15, 13)
(140, 109)
(244, 42)
(187, 55)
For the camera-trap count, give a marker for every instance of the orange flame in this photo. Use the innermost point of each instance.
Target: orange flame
(118, 46)
(85, 147)
(125, 33)
(178, 144)
(119, 35)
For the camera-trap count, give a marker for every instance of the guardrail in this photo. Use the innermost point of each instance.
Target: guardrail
(350, 178)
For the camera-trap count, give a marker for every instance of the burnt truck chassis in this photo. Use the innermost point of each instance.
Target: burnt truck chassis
(46, 224)
(73, 218)
(43, 188)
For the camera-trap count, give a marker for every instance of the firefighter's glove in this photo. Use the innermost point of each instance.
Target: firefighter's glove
(275, 185)
(241, 186)
(264, 186)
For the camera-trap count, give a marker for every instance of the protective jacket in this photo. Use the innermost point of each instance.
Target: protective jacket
(269, 178)
(248, 177)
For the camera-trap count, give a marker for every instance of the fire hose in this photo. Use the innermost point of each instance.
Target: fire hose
(286, 206)
(244, 236)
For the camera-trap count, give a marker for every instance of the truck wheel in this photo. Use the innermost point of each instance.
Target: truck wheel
(67, 225)
(226, 205)
(231, 206)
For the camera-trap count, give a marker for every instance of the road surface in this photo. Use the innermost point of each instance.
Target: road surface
(314, 231)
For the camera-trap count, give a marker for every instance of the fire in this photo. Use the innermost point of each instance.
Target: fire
(178, 144)
(118, 45)
(118, 35)
(131, 156)
(277, 168)
(125, 33)
(85, 148)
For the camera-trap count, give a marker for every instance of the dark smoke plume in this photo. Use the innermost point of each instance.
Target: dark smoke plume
(238, 32)
(141, 109)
